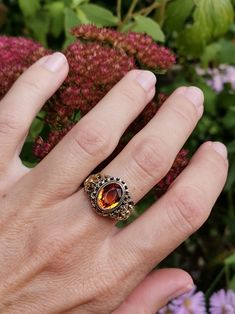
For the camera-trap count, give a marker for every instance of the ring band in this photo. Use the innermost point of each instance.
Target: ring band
(109, 196)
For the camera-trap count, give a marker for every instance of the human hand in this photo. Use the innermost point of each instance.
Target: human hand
(56, 254)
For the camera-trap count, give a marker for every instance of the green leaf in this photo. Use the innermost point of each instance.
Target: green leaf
(148, 26)
(82, 16)
(71, 20)
(39, 25)
(209, 94)
(56, 14)
(76, 3)
(29, 8)
(36, 127)
(226, 52)
(176, 14)
(231, 147)
(230, 260)
(210, 54)
(232, 283)
(191, 41)
(211, 20)
(29, 164)
(231, 179)
(26, 154)
(98, 15)
(229, 119)
(214, 17)
(127, 27)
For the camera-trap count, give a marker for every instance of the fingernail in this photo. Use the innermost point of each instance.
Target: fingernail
(55, 62)
(147, 80)
(195, 96)
(181, 291)
(220, 149)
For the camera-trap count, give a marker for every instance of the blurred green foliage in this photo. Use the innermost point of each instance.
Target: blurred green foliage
(202, 35)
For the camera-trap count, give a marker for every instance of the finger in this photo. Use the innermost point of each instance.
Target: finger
(25, 98)
(180, 212)
(150, 154)
(155, 291)
(95, 136)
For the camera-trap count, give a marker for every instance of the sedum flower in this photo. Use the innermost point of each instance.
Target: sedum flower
(16, 55)
(179, 164)
(98, 59)
(222, 302)
(146, 52)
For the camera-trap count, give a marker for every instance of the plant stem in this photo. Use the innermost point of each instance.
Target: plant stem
(40, 118)
(227, 274)
(215, 282)
(230, 202)
(119, 10)
(146, 11)
(130, 11)
(161, 11)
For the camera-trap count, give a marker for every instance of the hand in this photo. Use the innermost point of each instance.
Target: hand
(56, 254)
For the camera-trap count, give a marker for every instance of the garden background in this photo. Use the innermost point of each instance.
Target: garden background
(201, 34)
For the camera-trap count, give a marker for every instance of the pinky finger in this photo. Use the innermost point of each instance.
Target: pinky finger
(155, 291)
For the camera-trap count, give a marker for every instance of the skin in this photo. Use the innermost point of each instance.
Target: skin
(56, 254)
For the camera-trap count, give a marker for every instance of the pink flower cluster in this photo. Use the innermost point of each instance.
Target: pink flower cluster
(98, 59)
(16, 55)
(180, 163)
(146, 52)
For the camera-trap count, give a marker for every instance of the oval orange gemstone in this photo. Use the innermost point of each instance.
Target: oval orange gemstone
(109, 196)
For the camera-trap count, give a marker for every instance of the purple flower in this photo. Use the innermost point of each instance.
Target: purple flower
(230, 76)
(218, 77)
(222, 302)
(217, 83)
(189, 303)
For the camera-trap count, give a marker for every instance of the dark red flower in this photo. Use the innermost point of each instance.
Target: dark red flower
(16, 55)
(179, 164)
(98, 59)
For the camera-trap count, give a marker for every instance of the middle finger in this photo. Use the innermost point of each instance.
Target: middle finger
(150, 154)
(93, 138)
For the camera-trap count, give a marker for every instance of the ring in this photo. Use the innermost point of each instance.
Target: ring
(109, 196)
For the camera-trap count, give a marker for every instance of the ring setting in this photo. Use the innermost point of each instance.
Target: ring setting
(109, 196)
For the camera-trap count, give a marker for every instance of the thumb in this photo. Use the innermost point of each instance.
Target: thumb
(155, 291)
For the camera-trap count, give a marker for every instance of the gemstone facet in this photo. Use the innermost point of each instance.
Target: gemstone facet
(109, 196)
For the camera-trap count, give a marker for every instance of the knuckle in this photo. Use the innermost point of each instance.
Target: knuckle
(185, 111)
(54, 252)
(93, 138)
(218, 166)
(151, 158)
(133, 94)
(187, 210)
(10, 124)
(32, 86)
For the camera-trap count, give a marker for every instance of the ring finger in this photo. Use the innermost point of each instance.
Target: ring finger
(150, 154)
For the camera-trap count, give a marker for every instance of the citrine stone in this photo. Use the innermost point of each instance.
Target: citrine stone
(109, 196)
